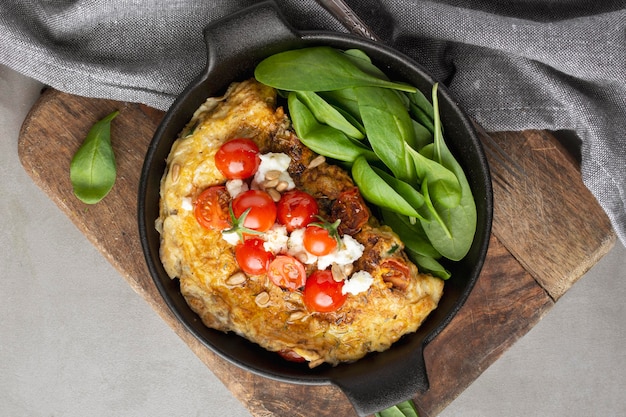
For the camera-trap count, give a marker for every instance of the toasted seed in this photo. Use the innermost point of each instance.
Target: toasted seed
(175, 173)
(282, 186)
(341, 272)
(338, 274)
(274, 194)
(317, 161)
(237, 278)
(262, 299)
(272, 174)
(270, 183)
(296, 315)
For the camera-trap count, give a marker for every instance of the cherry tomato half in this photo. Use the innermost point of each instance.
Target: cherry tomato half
(211, 208)
(318, 240)
(287, 272)
(322, 293)
(252, 257)
(238, 158)
(296, 209)
(262, 214)
(291, 356)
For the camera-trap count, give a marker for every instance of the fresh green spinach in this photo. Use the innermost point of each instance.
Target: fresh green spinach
(404, 409)
(322, 138)
(319, 68)
(377, 191)
(344, 107)
(327, 114)
(93, 168)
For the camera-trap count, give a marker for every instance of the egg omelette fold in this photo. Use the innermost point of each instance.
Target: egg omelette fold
(396, 303)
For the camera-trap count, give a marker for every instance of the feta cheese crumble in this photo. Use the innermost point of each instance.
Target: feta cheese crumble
(274, 162)
(276, 239)
(236, 187)
(359, 282)
(349, 251)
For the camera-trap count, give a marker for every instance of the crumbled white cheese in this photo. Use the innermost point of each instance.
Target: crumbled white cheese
(276, 239)
(231, 237)
(359, 282)
(236, 187)
(345, 254)
(295, 247)
(273, 162)
(187, 204)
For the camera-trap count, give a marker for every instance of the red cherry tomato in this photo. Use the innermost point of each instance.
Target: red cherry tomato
(262, 214)
(211, 208)
(291, 356)
(238, 158)
(252, 257)
(322, 293)
(318, 240)
(287, 272)
(296, 209)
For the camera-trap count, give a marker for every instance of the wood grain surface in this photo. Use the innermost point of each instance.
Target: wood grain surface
(548, 230)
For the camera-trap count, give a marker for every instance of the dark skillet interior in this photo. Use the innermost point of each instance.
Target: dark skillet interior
(233, 54)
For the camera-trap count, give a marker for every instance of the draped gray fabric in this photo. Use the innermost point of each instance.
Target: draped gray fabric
(543, 64)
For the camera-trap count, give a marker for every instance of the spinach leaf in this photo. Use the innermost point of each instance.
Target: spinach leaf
(389, 128)
(428, 264)
(322, 138)
(318, 68)
(421, 117)
(460, 219)
(410, 194)
(419, 100)
(377, 191)
(443, 184)
(327, 114)
(423, 136)
(404, 409)
(93, 169)
(344, 99)
(411, 233)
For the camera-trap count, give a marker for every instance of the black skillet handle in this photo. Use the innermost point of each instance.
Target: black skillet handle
(390, 384)
(239, 41)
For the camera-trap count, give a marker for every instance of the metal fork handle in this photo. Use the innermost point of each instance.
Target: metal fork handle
(346, 16)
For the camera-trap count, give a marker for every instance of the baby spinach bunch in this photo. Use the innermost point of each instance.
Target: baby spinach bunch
(389, 134)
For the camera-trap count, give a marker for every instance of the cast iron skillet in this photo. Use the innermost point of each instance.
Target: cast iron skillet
(235, 45)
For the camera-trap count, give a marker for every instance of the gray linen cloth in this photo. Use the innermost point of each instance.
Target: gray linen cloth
(542, 64)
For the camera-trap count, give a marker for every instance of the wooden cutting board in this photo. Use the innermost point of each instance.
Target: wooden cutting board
(548, 231)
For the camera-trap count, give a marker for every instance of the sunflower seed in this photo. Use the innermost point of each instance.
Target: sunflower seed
(317, 161)
(235, 279)
(272, 174)
(262, 299)
(175, 173)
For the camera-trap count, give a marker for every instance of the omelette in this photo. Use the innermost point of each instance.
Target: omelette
(392, 301)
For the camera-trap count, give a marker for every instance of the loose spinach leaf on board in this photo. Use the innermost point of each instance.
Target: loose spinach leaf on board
(318, 68)
(322, 138)
(404, 409)
(93, 169)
